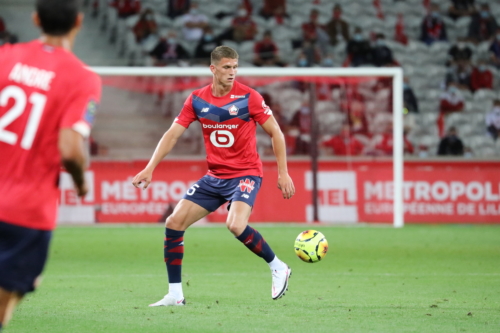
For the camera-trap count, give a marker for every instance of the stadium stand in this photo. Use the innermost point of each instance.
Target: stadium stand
(428, 68)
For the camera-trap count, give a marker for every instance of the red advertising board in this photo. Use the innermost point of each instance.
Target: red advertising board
(358, 191)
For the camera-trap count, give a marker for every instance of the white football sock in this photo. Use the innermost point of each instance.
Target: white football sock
(175, 290)
(276, 264)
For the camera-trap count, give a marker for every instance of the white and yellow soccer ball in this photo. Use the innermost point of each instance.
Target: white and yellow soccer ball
(311, 246)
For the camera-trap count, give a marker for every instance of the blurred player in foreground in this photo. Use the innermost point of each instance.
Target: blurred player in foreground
(48, 100)
(228, 112)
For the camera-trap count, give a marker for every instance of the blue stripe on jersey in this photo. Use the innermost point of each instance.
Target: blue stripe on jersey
(220, 114)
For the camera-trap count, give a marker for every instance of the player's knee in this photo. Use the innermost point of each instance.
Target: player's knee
(174, 223)
(235, 226)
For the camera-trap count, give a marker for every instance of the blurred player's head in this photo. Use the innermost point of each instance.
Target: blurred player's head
(224, 65)
(58, 18)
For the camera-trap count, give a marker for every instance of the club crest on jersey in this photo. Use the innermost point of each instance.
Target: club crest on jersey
(233, 110)
(246, 185)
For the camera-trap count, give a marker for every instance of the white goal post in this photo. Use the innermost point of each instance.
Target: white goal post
(397, 85)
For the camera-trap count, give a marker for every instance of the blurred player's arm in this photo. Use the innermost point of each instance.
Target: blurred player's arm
(167, 142)
(73, 157)
(285, 183)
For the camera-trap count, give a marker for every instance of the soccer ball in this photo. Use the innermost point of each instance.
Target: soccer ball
(311, 246)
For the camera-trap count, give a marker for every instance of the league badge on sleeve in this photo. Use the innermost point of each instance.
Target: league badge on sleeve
(90, 112)
(267, 109)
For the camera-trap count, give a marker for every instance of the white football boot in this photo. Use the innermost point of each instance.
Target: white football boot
(280, 281)
(169, 301)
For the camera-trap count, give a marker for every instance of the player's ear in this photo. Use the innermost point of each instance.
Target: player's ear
(79, 21)
(212, 68)
(36, 19)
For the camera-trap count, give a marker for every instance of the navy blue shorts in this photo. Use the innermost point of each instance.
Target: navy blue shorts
(23, 253)
(211, 193)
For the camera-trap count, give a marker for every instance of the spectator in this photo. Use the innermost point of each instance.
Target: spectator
(433, 27)
(2, 25)
(460, 73)
(495, 50)
(206, 45)
(242, 28)
(381, 54)
(337, 29)
(178, 8)
(168, 51)
(280, 17)
(327, 61)
(194, 23)
(5, 35)
(409, 99)
(126, 8)
(358, 123)
(312, 31)
(460, 8)
(481, 77)
(266, 52)
(460, 51)
(399, 30)
(301, 125)
(451, 101)
(343, 144)
(451, 144)
(493, 120)
(359, 51)
(385, 142)
(483, 25)
(146, 26)
(270, 8)
(309, 56)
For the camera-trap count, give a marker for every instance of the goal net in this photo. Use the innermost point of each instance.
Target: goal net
(343, 128)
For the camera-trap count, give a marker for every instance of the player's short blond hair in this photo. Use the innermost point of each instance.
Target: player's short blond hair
(222, 52)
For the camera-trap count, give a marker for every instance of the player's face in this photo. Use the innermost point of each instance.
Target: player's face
(225, 71)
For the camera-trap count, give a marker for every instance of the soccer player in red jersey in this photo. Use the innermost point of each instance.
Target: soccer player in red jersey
(228, 112)
(48, 101)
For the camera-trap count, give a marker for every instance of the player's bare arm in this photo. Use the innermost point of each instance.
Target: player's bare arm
(167, 142)
(73, 158)
(285, 183)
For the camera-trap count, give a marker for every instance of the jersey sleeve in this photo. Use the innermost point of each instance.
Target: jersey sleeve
(80, 110)
(259, 111)
(187, 114)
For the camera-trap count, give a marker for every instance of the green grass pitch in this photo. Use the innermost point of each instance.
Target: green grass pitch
(374, 279)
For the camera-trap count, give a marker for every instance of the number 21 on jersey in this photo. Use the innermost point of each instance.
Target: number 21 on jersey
(37, 101)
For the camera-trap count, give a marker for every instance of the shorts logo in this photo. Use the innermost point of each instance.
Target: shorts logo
(246, 185)
(205, 109)
(246, 196)
(233, 110)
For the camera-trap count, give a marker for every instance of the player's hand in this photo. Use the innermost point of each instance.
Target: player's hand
(82, 190)
(285, 184)
(143, 177)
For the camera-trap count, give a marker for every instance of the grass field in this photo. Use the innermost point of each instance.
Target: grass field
(374, 279)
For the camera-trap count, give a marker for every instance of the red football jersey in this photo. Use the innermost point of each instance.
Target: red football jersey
(42, 89)
(229, 125)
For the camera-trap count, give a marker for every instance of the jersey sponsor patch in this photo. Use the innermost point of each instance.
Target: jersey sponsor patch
(238, 96)
(90, 112)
